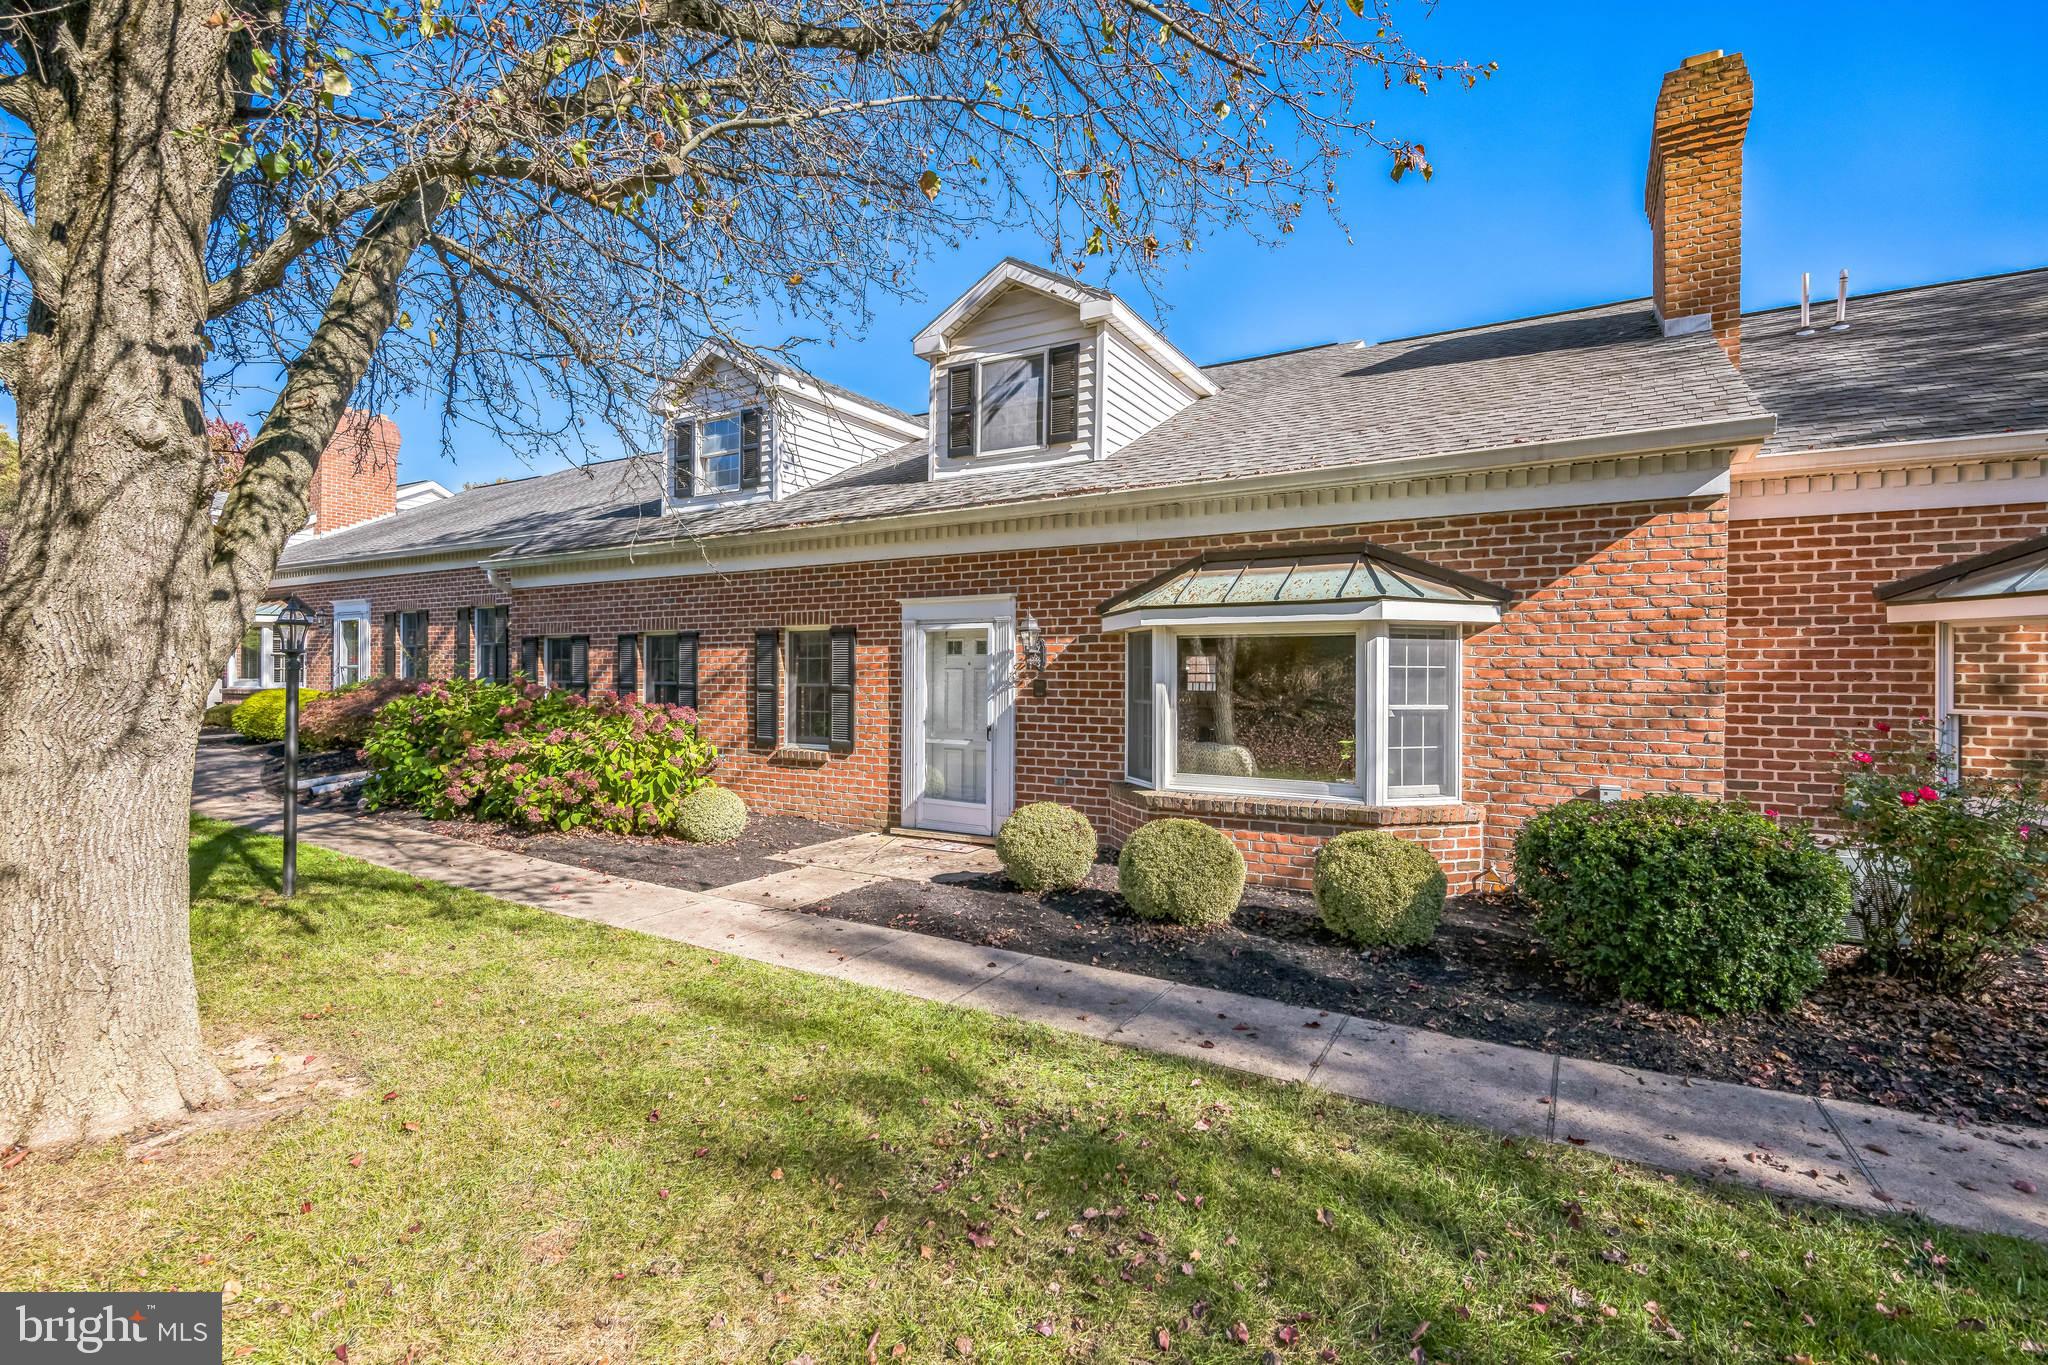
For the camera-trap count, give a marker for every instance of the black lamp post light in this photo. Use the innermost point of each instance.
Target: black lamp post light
(291, 626)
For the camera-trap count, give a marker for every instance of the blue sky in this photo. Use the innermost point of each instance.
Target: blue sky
(1906, 144)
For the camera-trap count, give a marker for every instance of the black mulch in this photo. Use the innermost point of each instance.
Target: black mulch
(1859, 1036)
(666, 862)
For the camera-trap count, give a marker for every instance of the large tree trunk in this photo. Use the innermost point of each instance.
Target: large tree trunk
(105, 648)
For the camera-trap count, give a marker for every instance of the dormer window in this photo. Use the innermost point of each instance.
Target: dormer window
(1005, 405)
(715, 455)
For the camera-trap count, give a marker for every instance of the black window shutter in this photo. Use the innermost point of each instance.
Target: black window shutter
(390, 644)
(626, 677)
(686, 671)
(579, 663)
(960, 383)
(465, 618)
(529, 657)
(750, 448)
(840, 678)
(1063, 395)
(765, 693)
(682, 441)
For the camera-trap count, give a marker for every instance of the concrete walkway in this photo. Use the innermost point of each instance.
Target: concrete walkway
(1855, 1155)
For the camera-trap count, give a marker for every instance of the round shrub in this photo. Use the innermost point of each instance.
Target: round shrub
(1046, 847)
(1703, 906)
(261, 715)
(1379, 891)
(711, 815)
(1181, 872)
(220, 716)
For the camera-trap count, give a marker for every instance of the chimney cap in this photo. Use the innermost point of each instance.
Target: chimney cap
(1702, 58)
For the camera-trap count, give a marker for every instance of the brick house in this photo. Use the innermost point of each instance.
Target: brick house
(1431, 585)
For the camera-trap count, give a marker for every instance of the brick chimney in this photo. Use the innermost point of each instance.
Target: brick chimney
(1694, 197)
(357, 476)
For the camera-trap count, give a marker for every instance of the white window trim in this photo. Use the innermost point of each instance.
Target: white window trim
(358, 611)
(698, 485)
(1044, 357)
(788, 664)
(1369, 725)
(263, 680)
(771, 461)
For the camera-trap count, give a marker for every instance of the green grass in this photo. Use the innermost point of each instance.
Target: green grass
(830, 1164)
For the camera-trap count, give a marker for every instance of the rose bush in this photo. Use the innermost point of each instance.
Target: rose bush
(1947, 866)
(536, 759)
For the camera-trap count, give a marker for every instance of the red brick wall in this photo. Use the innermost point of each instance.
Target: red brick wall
(2001, 696)
(1812, 660)
(1607, 667)
(441, 594)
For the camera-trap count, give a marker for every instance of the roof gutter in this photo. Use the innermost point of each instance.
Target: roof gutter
(1722, 432)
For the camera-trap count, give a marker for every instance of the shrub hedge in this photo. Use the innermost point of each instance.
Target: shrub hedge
(529, 757)
(1180, 872)
(1046, 847)
(343, 717)
(221, 716)
(1697, 905)
(261, 714)
(1379, 891)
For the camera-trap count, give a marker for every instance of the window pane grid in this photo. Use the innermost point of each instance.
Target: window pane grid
(1420, 677)
(661, 668)
(810, 687)
(718, 452)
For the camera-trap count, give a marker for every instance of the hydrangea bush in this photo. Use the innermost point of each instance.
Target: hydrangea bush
(525, 756)
(1947, 866)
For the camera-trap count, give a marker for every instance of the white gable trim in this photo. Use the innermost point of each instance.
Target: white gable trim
(930, 344)
(774, 379)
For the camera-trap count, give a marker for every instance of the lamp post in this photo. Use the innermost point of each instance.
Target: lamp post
(291, 626)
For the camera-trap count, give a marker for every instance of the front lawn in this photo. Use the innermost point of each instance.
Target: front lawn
(577, 1143)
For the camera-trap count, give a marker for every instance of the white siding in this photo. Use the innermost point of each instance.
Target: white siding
(1138, 394)
(1016, 322)
(814, 442)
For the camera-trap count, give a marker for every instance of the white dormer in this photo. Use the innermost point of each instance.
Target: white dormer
(738, 432)
(1031, 369)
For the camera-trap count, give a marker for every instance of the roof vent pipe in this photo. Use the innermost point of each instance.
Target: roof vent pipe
(1805, 304)
(1841, 323)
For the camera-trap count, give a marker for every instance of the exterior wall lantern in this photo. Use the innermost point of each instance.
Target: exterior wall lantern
(291, 626)
(1031, 652)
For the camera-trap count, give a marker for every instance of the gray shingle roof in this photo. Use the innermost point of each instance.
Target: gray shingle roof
(1605, 371)
(1964, 358)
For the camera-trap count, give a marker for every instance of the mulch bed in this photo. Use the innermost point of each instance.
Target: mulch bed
(666, 862)
(1485, 976)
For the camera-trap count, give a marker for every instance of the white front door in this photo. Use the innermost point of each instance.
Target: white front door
(957, 729)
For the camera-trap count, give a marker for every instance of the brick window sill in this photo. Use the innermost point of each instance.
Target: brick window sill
(1297, 810)
(794, 756)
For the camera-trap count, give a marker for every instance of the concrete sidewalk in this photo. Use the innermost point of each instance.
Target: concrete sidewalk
(1854, 1155)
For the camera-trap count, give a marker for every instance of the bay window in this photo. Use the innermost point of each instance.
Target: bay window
(1327, 674)
(1288, 713)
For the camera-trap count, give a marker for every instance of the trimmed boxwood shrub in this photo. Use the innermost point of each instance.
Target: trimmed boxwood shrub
(1704, 906)
(1181, 872)
(1379, 891)
(1046, 847)
(221, 716)
(261, 714)
(711, 815)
